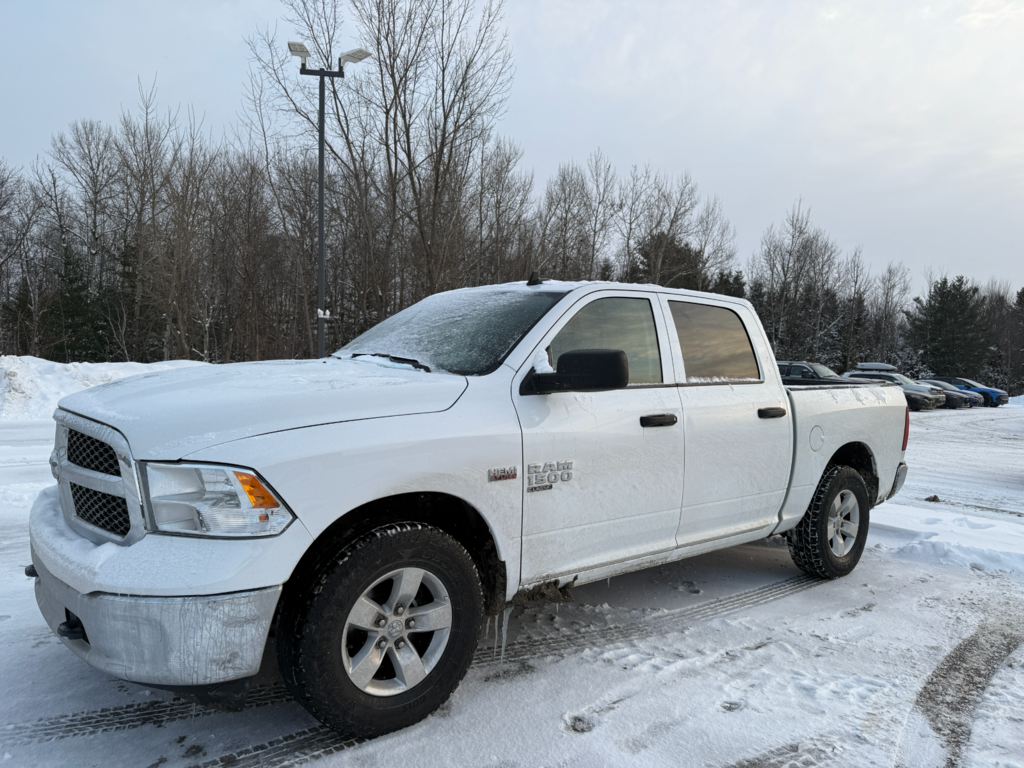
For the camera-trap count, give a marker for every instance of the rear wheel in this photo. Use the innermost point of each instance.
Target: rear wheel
(829, 540)
(385, 633)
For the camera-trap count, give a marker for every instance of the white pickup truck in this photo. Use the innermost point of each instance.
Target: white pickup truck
(484, 447)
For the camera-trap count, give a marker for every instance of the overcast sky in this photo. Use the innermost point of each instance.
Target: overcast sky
(899, 124)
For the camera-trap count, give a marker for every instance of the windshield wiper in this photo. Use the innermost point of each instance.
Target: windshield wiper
(395, 359)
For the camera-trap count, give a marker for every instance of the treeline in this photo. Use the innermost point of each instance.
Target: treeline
(821, 305)
(147, 242)
(147, 239)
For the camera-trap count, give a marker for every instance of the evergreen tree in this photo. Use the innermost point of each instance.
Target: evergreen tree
(729, 283)
(949, 328)
(72, 329)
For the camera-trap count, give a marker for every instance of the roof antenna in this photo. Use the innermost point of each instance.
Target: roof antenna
(534, 279)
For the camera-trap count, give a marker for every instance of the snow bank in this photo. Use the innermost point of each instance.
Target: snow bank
(1017, 401)
(948, 553)
(30, 387)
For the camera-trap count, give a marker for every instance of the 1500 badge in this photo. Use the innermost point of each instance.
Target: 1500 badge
(542, 477)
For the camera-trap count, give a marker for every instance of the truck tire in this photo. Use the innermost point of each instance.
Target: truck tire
(815, 544)
(385, 633)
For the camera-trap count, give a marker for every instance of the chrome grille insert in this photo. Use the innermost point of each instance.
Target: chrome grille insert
(90, 453)
(101, 509)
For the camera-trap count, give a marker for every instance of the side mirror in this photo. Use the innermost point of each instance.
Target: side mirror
(582, 370)
(806, 374)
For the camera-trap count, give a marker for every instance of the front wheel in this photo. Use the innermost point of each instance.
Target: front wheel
(385, 633)
(829, 539)
(987, 399)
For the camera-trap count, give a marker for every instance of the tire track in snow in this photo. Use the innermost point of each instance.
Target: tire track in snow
(796, 755)
(521, 650)
(294, 749)
(124, 717)
(939, 727)
(321, 741)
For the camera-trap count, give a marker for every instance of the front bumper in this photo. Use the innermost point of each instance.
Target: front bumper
(165, 641)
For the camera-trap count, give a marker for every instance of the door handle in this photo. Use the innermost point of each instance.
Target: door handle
(771, 413)
(658, 420)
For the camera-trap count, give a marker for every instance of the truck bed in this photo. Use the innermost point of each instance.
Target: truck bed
(827, 417)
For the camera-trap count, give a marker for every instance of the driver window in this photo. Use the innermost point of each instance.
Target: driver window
(615, 323)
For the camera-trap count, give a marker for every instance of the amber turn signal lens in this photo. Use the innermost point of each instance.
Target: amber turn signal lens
(259, 496)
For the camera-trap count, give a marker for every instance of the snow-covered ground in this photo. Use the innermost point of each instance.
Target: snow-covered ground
(729, 659)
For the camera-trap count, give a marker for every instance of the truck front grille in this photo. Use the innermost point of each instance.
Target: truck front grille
(101, 509)
(90, 453)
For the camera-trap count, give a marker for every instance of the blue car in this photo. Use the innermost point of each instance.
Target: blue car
(993, 397)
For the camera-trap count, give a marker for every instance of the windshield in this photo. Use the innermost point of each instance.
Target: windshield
(823, 370)
(903, 379)
(468, 332)
(939, 384)
(970, 383)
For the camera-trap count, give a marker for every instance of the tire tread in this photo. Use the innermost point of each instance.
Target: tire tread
(806, 540)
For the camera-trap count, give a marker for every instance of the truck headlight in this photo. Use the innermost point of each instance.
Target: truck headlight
(209, 500)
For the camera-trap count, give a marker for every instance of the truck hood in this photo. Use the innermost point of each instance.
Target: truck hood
(170, 414)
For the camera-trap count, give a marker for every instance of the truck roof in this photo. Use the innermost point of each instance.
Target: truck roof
(570, 286)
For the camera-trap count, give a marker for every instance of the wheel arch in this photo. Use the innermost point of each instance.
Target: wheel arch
(859, 457)
(448, 513)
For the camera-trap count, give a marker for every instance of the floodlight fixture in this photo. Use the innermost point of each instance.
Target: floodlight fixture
(300, 50)
(354, 56)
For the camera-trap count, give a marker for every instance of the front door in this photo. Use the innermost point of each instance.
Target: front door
(600, 487)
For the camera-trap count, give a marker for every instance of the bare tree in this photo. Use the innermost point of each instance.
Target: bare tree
(888, 302)
(601, 207)
(714, 242)
(86, 153)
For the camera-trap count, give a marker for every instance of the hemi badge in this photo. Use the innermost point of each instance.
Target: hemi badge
(503, 473)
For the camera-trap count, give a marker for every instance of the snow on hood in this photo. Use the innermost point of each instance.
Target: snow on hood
(168, 415)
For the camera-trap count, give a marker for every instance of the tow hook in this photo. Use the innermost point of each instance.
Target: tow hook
(71, 629)
(31, 572)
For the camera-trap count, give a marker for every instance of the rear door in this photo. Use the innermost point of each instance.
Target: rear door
(601, 487)
(736, 420)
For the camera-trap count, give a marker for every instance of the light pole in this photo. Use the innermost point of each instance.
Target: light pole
(352, 57)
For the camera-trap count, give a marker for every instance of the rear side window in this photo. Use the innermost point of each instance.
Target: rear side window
(714, 344)
(615, 323)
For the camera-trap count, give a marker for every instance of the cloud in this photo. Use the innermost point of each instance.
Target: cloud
(988, 13)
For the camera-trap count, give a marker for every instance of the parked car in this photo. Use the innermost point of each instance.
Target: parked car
(920, 397)
(803, 372)
(992, 397)
(484, 448)
(955, 394)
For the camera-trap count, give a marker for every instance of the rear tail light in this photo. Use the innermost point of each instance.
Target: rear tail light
(906, 429)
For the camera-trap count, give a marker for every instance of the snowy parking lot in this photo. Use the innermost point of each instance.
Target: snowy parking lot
(729, 659)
